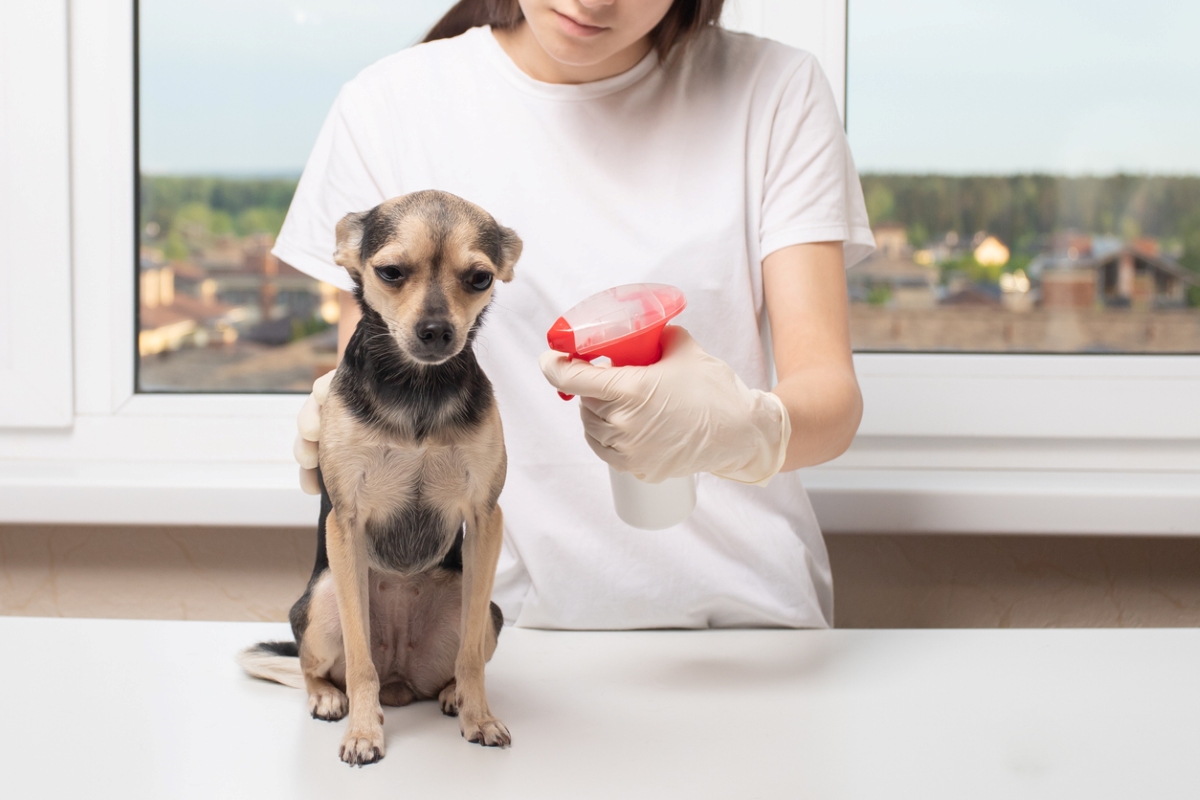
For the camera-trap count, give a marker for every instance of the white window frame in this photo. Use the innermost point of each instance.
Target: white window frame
(949, 443)
(35, 289)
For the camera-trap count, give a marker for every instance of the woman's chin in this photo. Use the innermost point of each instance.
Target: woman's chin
(572, 52)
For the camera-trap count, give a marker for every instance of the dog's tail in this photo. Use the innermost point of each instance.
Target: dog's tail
(273, 661)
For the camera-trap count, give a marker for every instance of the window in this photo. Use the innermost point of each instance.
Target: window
(951, 442)
(1031, 174)
(231, 97)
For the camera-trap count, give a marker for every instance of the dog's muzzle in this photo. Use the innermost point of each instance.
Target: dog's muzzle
(435, 339)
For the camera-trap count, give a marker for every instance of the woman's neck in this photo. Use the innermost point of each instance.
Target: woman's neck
(527, 53)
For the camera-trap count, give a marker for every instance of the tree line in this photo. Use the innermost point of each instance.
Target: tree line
(182, 214)
(1022, 209)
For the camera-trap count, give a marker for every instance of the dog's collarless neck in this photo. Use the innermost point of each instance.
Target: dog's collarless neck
(382, 387)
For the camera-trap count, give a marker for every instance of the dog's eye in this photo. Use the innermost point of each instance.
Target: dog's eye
(390, 274)
(479, 281)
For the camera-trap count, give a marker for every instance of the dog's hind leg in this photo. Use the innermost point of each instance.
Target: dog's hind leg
(363, 742)
(321, 659)
(325, 701)
(481, 550)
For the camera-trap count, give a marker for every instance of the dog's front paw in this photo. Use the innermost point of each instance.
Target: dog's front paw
(448, 699)
(488, 731)
(328, 703)
(363, 745)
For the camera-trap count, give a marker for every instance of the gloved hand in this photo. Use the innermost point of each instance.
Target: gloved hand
(308, 421)
(687, 413)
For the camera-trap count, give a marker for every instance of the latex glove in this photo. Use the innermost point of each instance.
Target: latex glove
(308, 424)
(688, 413)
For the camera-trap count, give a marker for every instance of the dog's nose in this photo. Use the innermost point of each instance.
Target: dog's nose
(434, 332)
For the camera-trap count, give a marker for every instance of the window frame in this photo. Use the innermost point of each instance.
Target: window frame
(35, 291)
(1111, 449)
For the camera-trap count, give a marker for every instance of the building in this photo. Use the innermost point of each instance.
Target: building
(1068, 289)
(169, 320)
(243, 272)
(974, 295)
(895, 282)
(890, 276)
(1139, 277)
(1135, 276)
(991, 252)
(891, 241)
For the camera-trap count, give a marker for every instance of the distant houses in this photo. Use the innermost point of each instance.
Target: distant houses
(991, 252)
(896, 282)
(1071, 271)
(233, 291)
(1135, 276)
(891, 276)
(170, 320)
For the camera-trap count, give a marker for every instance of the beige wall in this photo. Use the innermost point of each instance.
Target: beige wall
(880, 581)
(1014, 581)
(153, 573)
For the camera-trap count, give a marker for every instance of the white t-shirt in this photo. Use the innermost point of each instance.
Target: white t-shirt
(687, 175)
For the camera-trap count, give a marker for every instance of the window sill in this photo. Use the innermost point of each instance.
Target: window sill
(1006, 502)
(132, 493)
(896, 501)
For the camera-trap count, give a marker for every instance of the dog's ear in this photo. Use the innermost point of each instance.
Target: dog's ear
(349, 244)
(510, 251)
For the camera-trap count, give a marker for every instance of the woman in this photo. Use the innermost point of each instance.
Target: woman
(631, 141)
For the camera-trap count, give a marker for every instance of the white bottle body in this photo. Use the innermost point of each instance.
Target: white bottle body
(652, 506)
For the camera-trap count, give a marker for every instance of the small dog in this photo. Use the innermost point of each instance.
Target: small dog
(412, 462)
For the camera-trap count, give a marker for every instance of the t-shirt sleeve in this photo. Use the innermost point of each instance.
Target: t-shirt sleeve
(343, 175)
(811, 191)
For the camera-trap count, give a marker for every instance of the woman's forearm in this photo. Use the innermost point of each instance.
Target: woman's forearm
(825, 406)
(805, 291)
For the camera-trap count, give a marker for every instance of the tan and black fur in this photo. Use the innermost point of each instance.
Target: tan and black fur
(412, 462)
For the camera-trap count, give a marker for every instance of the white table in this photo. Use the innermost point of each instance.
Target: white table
(129, 709)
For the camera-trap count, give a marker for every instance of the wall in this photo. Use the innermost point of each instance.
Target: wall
(153, 573)
(880, 581)
(1015, 581)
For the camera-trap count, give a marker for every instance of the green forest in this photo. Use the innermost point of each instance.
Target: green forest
(181, 214)
(1022, 209)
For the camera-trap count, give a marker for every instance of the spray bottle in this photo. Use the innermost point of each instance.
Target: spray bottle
(625, 325)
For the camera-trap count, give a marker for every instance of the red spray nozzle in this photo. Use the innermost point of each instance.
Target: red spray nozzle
(624, 324)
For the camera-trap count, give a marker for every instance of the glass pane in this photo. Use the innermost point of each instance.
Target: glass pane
(1032, 174)
(231, 96)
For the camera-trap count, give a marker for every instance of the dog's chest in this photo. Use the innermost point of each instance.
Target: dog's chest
(393, 476)
(412, 501)
(407, 498)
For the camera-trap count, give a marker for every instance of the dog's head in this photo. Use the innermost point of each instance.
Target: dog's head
(426, 263)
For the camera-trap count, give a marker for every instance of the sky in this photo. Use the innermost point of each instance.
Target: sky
(1003, 86)
(951, 86)
(242, 86)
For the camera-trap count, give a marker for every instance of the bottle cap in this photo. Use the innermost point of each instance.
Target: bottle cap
(623, 323)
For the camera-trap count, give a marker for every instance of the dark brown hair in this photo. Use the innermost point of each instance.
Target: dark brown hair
(683, 20)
